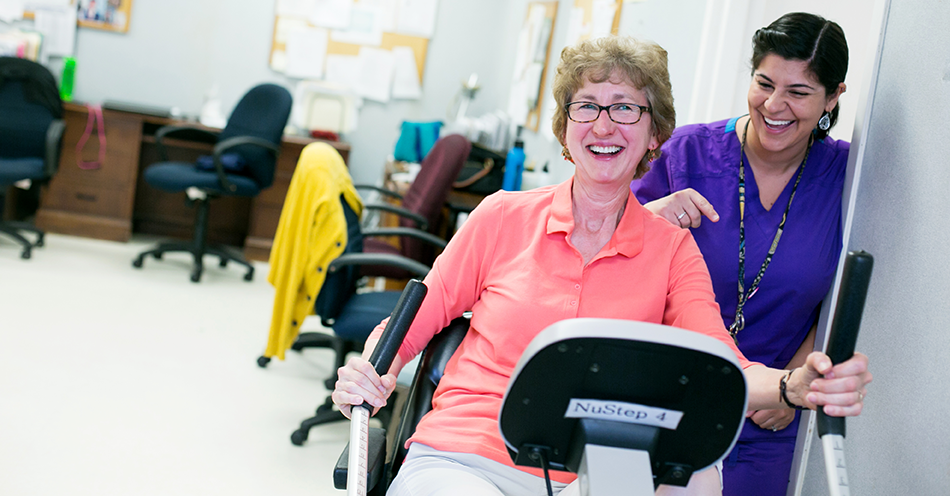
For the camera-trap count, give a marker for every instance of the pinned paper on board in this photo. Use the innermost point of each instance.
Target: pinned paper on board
(306, 51)
(58, 27)
(405, 78)
(376, 74)
(379, 24)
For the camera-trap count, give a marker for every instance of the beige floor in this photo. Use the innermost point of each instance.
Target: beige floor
(117, 381)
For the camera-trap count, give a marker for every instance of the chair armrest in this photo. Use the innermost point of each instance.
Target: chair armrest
(54, 142)
(378, 189)
(379, 259)
(229, 143)
(192, 131)
(375, 461)
(418, 219)
(406, 232)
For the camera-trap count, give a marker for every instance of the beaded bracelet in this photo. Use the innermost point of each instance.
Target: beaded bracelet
(782, 389)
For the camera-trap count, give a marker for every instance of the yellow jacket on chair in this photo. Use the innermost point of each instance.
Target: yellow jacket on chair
(311, 234)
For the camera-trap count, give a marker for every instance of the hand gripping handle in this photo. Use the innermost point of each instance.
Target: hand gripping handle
(846, 322)
(395, 332)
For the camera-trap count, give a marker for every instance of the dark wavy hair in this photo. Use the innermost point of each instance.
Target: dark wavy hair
(809, 38)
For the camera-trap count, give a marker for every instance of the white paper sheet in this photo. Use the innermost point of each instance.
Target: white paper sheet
(405, 74)
(306, 52)
(11, 10)
(416, 17)
(603, 17)
(343, 69)
(376, 74)
(331, 14)
(58, 26)
(365, 27)
(295, 8)
(287, 25)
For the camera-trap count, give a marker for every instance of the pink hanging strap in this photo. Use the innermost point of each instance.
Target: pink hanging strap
(95, 120)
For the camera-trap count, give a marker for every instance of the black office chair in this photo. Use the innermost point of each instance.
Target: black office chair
(351, 314)
(243, 164)
(31, 132)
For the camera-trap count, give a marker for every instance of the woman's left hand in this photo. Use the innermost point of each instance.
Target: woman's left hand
(842, 389)
(775, 420)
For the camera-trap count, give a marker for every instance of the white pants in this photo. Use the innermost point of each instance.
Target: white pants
(430, 472)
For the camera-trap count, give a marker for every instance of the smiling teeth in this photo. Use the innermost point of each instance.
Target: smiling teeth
(775, 123)
(604, 149)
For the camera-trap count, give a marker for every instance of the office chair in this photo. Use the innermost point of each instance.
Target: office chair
(31, 132)
(421, 205)
(243, 164)
(350, 314)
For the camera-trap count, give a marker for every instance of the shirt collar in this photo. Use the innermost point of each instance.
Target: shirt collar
(627, 239)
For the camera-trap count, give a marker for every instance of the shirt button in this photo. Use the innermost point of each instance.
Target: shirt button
(577, 286)
(573, 303)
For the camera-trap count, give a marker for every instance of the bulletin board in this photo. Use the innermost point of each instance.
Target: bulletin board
(531, 62)
(418, 44)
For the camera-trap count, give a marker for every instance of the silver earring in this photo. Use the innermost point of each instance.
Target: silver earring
(825, 122)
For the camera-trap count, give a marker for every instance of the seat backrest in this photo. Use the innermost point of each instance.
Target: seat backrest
(339, 285)
(429, 190)
(29, 102)
(428, 374)
(262, 113)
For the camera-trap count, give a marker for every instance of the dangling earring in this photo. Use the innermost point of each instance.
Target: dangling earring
(567, 155)
(652, 154)
(825, 122)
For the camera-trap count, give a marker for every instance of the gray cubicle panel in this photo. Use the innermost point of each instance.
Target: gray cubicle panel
(896, 209)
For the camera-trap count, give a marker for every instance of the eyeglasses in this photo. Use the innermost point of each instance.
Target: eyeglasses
(621, 113)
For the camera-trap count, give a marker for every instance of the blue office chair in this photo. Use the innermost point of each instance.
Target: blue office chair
(243, 164)
(31, 131)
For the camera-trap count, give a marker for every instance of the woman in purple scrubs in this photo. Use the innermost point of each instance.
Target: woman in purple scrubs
(770, 185)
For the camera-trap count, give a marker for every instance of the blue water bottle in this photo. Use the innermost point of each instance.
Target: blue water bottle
(514, 167)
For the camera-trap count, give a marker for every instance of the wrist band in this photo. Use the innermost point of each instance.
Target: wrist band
(782, 389)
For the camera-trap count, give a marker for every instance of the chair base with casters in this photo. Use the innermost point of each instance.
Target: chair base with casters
(198, 247)
(14, 231)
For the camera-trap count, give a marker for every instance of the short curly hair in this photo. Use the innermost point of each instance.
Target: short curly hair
(642, 64)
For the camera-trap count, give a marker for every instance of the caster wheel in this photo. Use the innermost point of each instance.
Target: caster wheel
(39, 241)
(298, 437)
(262, 361)
(26, 254)
(158, 256)
(196, 275)
(137, 263)
(223, 263)
(249, 276)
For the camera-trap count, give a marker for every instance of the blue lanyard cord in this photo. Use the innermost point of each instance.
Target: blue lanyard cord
(739, 323)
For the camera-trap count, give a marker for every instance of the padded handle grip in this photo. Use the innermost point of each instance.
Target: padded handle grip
(845, 325)
(406, 308)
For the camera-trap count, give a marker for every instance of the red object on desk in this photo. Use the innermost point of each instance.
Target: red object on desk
(325, 135)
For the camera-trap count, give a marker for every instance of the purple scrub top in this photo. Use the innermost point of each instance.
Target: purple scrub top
(705, 157)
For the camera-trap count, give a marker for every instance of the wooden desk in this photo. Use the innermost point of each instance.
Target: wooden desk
(113, 201)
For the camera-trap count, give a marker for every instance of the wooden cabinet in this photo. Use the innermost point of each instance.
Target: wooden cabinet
(113, 201)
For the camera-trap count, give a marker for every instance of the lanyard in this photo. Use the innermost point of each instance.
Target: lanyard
(739, 323)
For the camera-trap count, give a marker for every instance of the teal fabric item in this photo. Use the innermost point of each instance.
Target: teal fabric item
(415, 140)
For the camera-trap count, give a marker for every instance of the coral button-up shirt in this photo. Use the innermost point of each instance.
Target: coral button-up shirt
(512, 264)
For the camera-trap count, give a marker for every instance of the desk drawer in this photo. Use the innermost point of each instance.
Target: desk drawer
(88, 199)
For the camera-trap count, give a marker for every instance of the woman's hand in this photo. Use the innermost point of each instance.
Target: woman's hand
(684, 208)
(358, 382)
(842, 389)
(775, 420)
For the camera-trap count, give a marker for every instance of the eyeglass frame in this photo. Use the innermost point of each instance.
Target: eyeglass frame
(601, 108)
